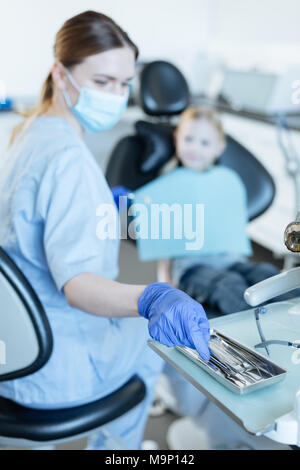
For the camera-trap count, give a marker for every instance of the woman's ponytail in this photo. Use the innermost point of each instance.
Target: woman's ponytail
(45, 101)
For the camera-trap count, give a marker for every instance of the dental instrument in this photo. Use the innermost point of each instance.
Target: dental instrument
(236, 366)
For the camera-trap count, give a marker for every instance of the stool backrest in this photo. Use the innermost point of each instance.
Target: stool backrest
(25, 334)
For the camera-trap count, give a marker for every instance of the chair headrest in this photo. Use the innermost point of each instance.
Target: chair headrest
(164, 90)
(159, 145)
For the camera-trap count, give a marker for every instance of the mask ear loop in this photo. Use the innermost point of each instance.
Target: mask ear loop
(65, 93)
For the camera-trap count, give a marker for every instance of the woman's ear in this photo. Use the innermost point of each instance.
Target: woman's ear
(59, 76)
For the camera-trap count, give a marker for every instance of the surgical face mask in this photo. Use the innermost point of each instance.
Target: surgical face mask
(96, 110)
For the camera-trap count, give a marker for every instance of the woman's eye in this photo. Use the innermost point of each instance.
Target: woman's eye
(189, 138)
(205, 143)
(100, 82)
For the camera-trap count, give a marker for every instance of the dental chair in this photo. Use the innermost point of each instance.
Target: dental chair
(25, 347)
(138, 159)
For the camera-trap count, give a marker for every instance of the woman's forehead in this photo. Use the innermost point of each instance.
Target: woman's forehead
(116, 63)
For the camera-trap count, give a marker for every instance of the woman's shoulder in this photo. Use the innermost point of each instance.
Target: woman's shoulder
(53, 131)
(52, 141)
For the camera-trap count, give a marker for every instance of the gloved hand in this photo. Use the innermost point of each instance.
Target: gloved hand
(117, 192)
(175, 319)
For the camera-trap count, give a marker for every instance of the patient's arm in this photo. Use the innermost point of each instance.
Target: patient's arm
(164, 271)
(100, 296)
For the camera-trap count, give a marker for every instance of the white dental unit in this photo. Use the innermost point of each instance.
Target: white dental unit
(273, 332)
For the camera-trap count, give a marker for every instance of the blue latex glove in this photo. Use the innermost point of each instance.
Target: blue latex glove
(175, 319)
(119, 191)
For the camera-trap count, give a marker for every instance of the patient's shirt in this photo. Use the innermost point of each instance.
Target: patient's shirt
(207, 215)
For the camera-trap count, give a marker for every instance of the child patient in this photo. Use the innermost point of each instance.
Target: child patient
(218, 281)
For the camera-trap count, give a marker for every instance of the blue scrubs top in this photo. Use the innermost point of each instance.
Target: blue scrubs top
(55, 218)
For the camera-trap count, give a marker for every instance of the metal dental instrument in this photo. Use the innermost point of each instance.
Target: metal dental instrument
(294, 344)
(223, 369)
(218, 369)
(259, 365)
(237, 357)
(235, 363)
(264, 343)
(241, 367)
(257, 312)
(227, 371)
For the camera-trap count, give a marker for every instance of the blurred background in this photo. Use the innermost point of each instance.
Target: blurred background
(241, 57)
(198, 35)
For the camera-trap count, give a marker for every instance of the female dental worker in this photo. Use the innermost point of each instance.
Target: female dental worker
(50, 190)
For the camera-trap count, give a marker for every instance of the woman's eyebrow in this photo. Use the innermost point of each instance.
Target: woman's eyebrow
(110, 77)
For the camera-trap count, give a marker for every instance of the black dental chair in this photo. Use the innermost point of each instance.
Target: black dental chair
(138, 159)
(25, 347)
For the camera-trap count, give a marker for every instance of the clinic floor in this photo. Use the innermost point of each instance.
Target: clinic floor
(133, 271)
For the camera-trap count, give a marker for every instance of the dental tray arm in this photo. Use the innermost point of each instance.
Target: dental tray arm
(286, 428)
(272, 287)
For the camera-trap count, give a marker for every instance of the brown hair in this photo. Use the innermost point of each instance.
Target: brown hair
(86, 34)
(203, 113)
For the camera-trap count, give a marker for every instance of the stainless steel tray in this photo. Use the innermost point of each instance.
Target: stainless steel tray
(247, 379)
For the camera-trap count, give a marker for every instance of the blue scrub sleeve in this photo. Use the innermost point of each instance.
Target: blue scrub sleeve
(69, 194)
